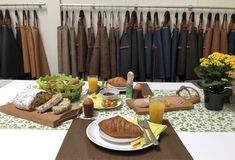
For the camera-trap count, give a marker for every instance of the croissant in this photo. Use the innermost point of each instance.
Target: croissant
(119, 127)
(118, 82)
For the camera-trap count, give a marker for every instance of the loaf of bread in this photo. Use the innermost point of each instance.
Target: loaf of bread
(119, 127)
(118, 82)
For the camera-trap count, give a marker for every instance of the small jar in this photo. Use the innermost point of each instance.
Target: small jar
(137, 91)
(88, 107)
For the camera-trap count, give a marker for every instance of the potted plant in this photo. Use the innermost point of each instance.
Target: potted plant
(215, 72)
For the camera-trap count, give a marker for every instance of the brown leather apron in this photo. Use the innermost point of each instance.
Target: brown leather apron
(104, 50)
(231, 36)
(117, 43)
(94, 68)
(224, 36)
(200, 37)
(41, 63)
(112, 48)
(215, 46)
(208, 37)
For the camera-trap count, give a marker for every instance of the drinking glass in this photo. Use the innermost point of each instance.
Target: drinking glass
(92, 83)
(156, 110)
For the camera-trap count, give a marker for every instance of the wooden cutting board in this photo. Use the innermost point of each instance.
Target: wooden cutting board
(48, 118)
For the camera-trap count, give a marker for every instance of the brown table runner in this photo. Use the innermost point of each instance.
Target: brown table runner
(77, 146)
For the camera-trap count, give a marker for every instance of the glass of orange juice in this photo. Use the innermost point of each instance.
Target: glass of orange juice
(92, 83)
(156, 110)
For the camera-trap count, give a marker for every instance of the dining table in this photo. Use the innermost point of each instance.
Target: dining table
(207, 135)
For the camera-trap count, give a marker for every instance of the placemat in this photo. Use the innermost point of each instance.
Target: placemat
(77, 146)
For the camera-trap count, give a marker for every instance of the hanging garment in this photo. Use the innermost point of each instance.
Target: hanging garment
(59, 43)
(148, 47)
(104, 50)
(215, 46)
(117, 44)
(174, 43)
(166, 43)
(231, 37)
(140, 44)
(19, 44)
(94, 68)
(72, 46)
(81, 44)
(91, 43)
(41, 63)
(200, 37)
(25, 48)
(224, 36)
(192, 58)
(134, 49)
(112, 48)
(159, 67)
(1, 26)
(125, 47)
(9, 50)
(182, 49)
(208, 37)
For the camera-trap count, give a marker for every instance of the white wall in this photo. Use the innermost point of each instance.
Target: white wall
(49, 16)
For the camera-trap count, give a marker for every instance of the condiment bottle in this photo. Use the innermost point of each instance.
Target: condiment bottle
(88, 107)
(137, 93)
(129, 88)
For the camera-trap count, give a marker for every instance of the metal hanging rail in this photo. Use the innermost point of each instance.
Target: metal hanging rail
(190, 7)
(40, 4)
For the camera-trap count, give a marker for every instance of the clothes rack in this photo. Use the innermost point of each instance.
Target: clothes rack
(39, 4)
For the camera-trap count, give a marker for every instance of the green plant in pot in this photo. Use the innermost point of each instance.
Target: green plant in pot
(215, 72)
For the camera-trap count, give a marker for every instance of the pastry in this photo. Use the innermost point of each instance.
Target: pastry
(62, 106)
(118, 82)
(119, 127)
(30, 99)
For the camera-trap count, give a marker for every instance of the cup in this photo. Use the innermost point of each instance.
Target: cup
(92, 83)
(156, 111)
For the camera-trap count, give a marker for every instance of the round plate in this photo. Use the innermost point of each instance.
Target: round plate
(93, 133)
(122, 89)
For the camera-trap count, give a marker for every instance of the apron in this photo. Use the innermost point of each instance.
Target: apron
(125, 47)
(215, 46)
(134, 49)
(112, 48)
(200, 37)
(174, 43)
(59, 44)
(166, 43)
(91, 43)
(207, 38)
(182, 48)
(19, 44)
(42, 67)
(72, 46)
(9, 53)
(104, 50)
(1, 25)
(140, 44)
(117, 44)
(192, 60)
(94, 68)
(159, 68)
(231, 37)
(81, 44)
(224, 36)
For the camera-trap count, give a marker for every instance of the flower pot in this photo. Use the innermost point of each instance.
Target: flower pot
(214, 101)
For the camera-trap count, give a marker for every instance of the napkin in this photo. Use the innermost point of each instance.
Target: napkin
(157, 129)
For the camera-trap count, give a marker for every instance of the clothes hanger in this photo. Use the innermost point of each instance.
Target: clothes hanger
(35, 19)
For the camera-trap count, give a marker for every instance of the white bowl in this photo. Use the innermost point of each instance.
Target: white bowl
(113, 91)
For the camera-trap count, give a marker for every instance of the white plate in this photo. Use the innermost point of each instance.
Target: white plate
(93, 133)
(122, 89)
(107, 108)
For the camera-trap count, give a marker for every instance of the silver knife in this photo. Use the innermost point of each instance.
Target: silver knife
(153, 138)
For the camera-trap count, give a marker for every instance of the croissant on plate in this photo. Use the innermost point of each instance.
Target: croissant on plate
(118, 82)
(119, 127)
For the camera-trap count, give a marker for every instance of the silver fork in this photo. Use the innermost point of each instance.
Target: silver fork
(153, 138)
(140, 122)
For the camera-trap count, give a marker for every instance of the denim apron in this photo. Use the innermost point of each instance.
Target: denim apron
(224, 36)
(208, 37)
(192, 60)
(117, 44)
(181, 49)
(174, 43)
(104, 50)
(148, 47)
(215, 46)
(134, 49)
(140, 46)
(112, 48)
(159, 68)
(9, 50)
(231, 36)
(166, 43)
(125, 47)
(200, 37)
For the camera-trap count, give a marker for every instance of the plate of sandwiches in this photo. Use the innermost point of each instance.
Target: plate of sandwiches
(119, 83)
(115, 133)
